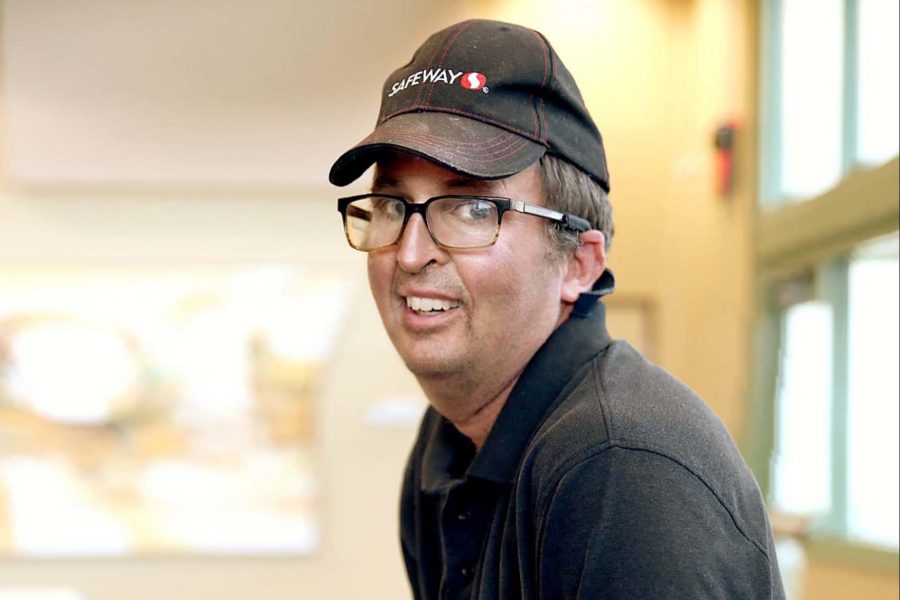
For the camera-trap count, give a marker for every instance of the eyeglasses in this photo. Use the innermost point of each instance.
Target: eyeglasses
(373, 221)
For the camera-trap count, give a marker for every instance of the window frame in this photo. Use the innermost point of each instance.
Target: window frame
(811, 242)
(770, 100)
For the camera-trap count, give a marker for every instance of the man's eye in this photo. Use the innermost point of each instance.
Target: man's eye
(387, 208)
(474, 210)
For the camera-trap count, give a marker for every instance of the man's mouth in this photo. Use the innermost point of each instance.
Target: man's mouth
(429, 306)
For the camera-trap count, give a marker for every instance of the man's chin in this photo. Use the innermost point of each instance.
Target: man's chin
(431, 366)
(432, 354)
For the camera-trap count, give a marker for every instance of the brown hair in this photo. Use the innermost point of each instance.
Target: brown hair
(569, 189)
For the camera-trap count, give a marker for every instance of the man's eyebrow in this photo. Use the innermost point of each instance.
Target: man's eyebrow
(470, 183)
(382, 181)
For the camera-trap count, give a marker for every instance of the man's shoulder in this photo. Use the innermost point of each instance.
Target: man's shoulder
(624, 400)
(625, 405)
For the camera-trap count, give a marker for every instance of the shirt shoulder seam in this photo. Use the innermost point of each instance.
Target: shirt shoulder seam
(627, 444)
(635, 446)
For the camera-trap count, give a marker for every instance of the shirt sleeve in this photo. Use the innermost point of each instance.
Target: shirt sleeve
(628, 523)
(407, 529)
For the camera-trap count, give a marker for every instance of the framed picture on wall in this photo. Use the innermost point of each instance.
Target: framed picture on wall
(162, 409)
(633, 319)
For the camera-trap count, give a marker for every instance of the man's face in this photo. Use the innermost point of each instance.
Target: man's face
(500, 303)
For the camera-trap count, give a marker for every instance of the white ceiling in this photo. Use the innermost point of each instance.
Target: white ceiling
(193, 91)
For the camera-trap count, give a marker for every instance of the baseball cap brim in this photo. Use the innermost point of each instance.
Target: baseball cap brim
(456, 142)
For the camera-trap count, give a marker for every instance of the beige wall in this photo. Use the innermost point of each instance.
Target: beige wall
(658, 75)
(359, 464)
(833, 581)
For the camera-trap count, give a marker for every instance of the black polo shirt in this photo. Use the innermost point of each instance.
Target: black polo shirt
(603, 477)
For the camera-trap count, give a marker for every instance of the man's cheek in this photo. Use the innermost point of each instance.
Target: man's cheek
(379, 281)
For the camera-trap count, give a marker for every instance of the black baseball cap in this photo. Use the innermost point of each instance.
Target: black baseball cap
(483, 98)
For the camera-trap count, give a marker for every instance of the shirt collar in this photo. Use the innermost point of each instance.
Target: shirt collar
(447, 453)
(574, 343)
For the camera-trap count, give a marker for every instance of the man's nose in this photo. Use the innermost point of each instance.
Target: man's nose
(417, 248)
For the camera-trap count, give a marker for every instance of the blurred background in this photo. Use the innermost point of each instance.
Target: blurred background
(196, 396)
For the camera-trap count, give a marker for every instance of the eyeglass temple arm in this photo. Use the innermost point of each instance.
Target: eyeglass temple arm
(566, 220)
(353, 211)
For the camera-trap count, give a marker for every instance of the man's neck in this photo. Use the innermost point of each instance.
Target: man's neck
(454, 398)
(454, 402)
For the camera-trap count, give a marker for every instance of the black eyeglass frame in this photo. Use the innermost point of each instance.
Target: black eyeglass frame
(563, 220)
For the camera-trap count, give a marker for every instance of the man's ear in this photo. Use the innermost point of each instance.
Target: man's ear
(585, 266)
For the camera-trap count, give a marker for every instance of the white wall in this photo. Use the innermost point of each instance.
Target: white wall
(359, 464)
(204, 92)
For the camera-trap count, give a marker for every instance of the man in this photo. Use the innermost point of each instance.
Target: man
(553, 462)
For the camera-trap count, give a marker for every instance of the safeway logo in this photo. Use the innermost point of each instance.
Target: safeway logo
(473, 81)
(469, 81)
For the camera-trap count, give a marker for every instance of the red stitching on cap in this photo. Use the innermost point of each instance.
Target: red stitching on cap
(545, 139)
(497, 141)
(447, 49)
(497, 149)
(530, 135)
(542, 133)
(500, 139)
(534, 119)
(500, 154)
(430, 63)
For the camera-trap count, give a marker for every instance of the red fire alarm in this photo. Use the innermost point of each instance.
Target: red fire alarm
(724, 143)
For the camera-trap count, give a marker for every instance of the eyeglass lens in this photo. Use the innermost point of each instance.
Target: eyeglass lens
(376, 221)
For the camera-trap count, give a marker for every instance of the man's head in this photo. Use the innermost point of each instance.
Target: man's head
(476, 315)
(486, 99)
(469, 289)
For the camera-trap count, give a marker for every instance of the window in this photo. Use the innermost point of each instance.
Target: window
(802, 463)
(878, 68)
(830, 105)
(826, 394)
(836, 417)
(873, 473)
(811, 96)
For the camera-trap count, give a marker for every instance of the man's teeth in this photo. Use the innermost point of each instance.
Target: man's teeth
(424, 305)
